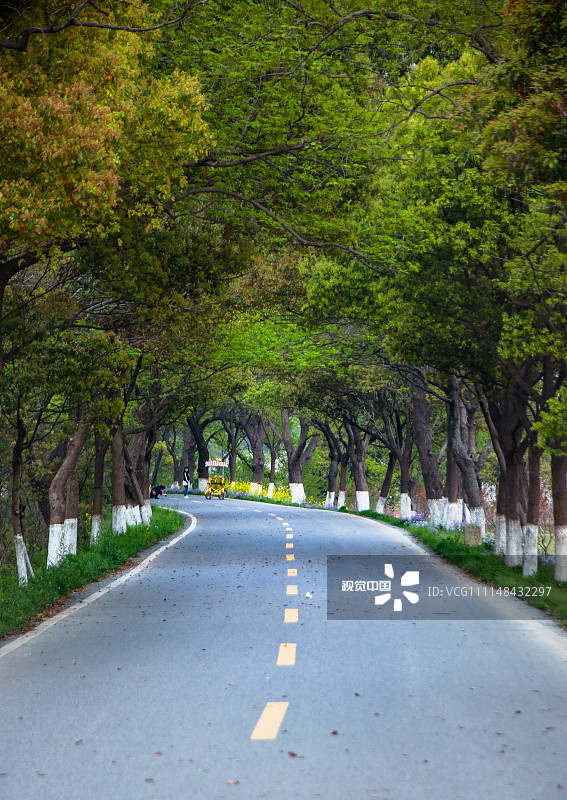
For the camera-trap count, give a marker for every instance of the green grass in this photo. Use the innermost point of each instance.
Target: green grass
(483, 563)
(21, 605)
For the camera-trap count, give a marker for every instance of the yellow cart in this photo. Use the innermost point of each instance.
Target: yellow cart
(216, 486)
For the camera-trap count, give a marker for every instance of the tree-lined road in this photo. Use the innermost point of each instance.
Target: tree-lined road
(155, 688)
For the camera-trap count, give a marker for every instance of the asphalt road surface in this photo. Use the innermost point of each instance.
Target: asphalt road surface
(215, 670)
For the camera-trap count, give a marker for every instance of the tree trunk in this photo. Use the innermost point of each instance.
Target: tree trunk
(465, 461)
(101, 446)
(41, 480)
(333, 445)
(453, 514)
(386, 483)
(513, 556)
(559, 492)
(423, 437)
(118, 485)
(143, 472)
(506, 424)
(274, 441)
(202, 449)
(343, 460)
(405, 481)
(56, 546)
(139, 513)
(357, 448)
(71, 524)
(22, 559)
(500, 519)
(253, 427)
(232, 444)
(297, 456)
(531, 529)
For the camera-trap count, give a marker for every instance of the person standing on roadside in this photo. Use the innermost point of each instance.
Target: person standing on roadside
(186, 479)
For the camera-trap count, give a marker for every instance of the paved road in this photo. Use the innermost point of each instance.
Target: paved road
(155, 688)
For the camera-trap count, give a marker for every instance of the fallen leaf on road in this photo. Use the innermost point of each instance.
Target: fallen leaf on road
(233, 783)
(159, 752)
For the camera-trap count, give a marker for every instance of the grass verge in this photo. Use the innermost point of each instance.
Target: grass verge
(481, 562)
(22, 606)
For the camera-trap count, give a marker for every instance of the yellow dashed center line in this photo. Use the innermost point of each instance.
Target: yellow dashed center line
(291, 615)
(292, 573)
(286, 655)
(291, 589)
(270, 720)
(289, 536)
(289, 545)
(289, 557)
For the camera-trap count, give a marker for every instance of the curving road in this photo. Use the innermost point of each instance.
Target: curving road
(212, 671)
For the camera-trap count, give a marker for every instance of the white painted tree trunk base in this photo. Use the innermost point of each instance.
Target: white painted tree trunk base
(145, 516)
(297, 493)
(467, 514)
(500, 533)
(271, 489)
(23, 561)
(435, 507)
(561, 552)
(133, 516)
(255, 488)
(148, 505)
(119, 519)
(203, 483)
(341, 500)
(405, 506)
(362, 501)
(56, 545)
(530, 535)
(70, 535)
(330, 500)
(381, 505)
(513, 557)
(95, 528)
(478, 517)
(453, 514)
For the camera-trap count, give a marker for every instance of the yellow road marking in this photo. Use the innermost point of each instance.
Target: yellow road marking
(291, 589)
(287, 536)
(291, 615)
(270, 720)
(289, 557)
(291, 572)
(289, 545)
(286, 655)
(279, 517)
(271, 515)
